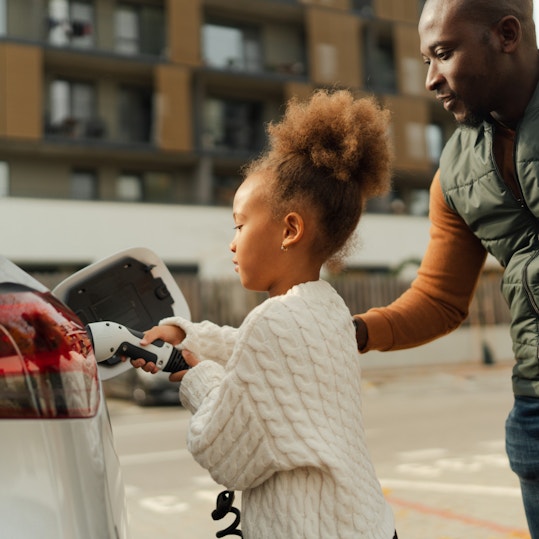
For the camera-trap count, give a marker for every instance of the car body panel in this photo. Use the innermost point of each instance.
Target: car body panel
(61, 477)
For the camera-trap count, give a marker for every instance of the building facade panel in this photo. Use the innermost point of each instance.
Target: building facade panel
(334, 48)
(22, 90)
(174, 114)
(401, 10)
(301, 91)
(184, 22)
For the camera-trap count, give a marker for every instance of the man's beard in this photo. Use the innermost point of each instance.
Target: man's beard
(473, 119)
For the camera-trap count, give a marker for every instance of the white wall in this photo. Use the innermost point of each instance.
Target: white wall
(80, 232)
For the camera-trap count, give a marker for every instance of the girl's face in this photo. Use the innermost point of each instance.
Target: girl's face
(258, 258)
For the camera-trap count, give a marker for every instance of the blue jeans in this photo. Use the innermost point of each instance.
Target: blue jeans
(522, 444)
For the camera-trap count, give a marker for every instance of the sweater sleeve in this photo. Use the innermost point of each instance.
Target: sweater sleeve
(237, 420)
(439, 298)
(205, 339)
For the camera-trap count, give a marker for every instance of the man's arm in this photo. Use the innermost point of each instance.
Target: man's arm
(438, 300)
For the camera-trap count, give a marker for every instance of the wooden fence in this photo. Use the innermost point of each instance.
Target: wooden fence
(225, 301)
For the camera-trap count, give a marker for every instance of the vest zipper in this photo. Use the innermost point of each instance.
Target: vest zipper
(520, 198)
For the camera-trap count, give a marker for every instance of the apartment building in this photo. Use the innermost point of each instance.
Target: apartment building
(160, 102)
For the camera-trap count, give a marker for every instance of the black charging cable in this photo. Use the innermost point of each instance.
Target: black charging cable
(224, 506)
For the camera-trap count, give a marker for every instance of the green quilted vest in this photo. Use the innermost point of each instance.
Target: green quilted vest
(508, 228)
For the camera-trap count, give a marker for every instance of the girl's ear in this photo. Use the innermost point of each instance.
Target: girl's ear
(294, 227)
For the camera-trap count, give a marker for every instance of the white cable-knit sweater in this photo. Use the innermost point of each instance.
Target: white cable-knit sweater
(277, 415)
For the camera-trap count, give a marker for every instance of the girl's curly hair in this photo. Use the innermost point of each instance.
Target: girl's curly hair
(332, 153)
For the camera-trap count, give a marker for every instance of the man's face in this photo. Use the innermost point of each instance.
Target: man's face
(461, 61)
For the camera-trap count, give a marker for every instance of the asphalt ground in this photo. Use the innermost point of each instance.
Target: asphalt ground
(437, 440)
(436, 436)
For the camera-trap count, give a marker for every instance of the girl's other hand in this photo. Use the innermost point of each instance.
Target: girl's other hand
(191, 360)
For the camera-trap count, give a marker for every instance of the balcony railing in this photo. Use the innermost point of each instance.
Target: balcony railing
(77, 128)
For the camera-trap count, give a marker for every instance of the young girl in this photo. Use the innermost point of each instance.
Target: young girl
(276, 403)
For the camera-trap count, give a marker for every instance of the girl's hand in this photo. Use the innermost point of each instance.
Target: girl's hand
(171, 334)
(190, 359)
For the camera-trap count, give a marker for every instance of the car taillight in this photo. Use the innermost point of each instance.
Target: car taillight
(47, 365)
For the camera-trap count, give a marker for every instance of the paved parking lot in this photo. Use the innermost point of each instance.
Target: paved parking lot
(436, 437)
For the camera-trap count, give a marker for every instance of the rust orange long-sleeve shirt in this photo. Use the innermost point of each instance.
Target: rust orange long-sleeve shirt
(439, 298)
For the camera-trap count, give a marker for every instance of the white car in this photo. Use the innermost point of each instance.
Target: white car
(61, 477)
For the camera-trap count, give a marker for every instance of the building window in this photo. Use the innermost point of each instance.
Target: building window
(379, 59)
(72, 110)
(139, 30)
(224, 189)
(363, 7)
(327, 61)
(3, 18)
(435, 142)
(4, 179)
(231, 47)
(415, 140)
(157, 187)
(233, 125)
(129, 188)
(71, 22)
(127, 30)
(414, 81)
(135, 114)
(83, 185)
(419, 202)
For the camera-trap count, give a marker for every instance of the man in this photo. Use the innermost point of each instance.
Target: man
(483, 66)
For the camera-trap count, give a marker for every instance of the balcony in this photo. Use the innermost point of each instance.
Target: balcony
(73, 114)
(232, 126)
(121, 28)
(252, 49)
(76, 128)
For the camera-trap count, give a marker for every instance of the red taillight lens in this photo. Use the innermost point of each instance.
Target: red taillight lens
(47, 365)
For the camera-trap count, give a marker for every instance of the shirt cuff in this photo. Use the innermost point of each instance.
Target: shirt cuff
(198, 383)
(380, 334)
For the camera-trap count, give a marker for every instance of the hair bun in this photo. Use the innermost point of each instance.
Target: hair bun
(345, 135)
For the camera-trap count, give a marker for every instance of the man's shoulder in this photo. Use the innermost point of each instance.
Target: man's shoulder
(466, 148)
(463, 136)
